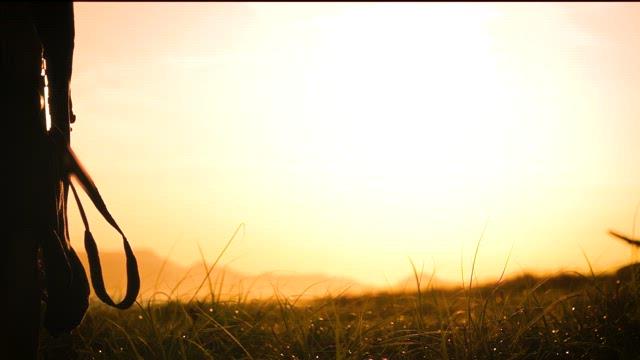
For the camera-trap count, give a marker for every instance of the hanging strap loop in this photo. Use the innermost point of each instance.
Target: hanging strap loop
(133, 277)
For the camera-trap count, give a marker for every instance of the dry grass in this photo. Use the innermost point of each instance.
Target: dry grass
(565, 316)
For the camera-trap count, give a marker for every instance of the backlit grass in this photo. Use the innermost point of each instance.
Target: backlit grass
(565, 316)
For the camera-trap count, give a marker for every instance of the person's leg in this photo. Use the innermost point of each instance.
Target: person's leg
(21, 295)
(21, 121)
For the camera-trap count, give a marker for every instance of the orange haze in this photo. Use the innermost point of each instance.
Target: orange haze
(350, 137)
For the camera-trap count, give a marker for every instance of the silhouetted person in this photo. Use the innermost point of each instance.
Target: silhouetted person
(28, 32)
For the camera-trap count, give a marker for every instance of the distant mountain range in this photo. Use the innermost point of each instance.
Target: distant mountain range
(162, 279)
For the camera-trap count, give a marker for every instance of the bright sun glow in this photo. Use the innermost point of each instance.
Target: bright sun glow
(395, 104)
(393, 131)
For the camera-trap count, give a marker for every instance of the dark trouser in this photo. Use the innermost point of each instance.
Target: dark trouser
(21, 296)
(24, 198)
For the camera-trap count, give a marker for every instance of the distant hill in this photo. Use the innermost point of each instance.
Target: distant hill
(162, 279)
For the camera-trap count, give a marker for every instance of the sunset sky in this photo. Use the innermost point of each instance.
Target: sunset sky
(352, 137)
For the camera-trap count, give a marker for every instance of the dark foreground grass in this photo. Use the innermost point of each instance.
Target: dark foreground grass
(565, 316)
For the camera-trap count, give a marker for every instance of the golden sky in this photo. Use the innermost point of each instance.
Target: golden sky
(352, 137)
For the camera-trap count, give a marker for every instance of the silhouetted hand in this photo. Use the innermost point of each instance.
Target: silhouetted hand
(60, 111)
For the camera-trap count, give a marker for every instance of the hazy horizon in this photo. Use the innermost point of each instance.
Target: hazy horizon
(164, 280)
(350, 138)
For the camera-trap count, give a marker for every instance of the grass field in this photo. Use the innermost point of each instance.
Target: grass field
(564, 316)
